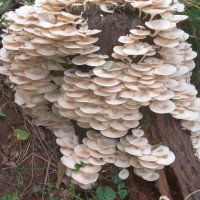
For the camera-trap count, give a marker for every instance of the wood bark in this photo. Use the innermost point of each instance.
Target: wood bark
(183, 176)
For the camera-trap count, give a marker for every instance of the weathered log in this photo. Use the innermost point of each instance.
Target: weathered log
(182, 177)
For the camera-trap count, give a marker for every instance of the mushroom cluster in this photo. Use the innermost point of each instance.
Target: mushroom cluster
(51, 59)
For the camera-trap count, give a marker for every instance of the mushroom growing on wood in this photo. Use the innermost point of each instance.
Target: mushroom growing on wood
(54, 58)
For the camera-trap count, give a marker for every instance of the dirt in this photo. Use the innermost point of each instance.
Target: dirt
(25, 166)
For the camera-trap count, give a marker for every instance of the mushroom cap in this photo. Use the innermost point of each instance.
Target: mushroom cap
(134, 161)
(91, 134)
(92, 144)
(160, 151)
(122, 162)
(123, 174)
(138, 142)
(133, 150)
(164, 42)
(160, 24)
(91, 169)
(81, 150)
(151, 176)
(36, 73)
(162, 106)
(105, 142)
(85, 178)
(113, 133)
(96, 161)
(106, 82)
(165, 69)
(138, 132)
(66, 151)
(141, 32)
(167, 159)
(68, 162)
(149, 164)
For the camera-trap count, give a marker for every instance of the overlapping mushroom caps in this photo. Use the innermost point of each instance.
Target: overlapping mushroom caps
(46, 49)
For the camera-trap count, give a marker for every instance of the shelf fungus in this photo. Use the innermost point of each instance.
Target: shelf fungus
(62, 71)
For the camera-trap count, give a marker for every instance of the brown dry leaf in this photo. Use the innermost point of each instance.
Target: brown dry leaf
(61, 173)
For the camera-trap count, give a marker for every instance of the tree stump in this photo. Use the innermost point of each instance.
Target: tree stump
(182, 177)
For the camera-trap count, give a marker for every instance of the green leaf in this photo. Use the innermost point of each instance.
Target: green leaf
(123, 193)
(116, 179)
(77, 166)
(50, 186)
(108, 65)
(156, 146)
(100, 193)
(4, 197)
(110, 194)
(121, 185)
(21, 134)
(2, 114)
(105, 194)
(53, 198)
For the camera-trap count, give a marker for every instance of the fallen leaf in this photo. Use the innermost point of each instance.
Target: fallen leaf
(61, 173)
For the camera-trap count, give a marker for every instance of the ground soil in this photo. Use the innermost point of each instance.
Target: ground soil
(25, 166)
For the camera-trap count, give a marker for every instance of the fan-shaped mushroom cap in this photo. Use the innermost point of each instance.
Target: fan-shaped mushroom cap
(151, 176)
(137, 49)
(91, 109)
(167, 159)
(66, 151)
(96, 161)
(106, 82)
(165, 69)
(92, 144)
(123, 174)
(36, 73)
(81, 150)
(142, 141)
(124, 141)
(105, 142)
(164, 42)
(65, 142)
(90, 168)
(91, 134)
(134, 161)
(149, 164)
(133, 151)
(148, 158)
(85, 178)
(126, 39)
(122, 162)
(108, 151)
(191, 125)
(140, 32)
(138, 132)
(68, 162)
(160, 151)
(113, 133)
(105, 74)
(160, 24)
(162, 106)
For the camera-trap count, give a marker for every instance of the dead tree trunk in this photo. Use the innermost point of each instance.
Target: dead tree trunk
(183, 176)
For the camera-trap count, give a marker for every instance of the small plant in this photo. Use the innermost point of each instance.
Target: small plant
(105, 194)
(122, 191)
(21, 134)
(77, 166)
(2, 114)
(5, 4)
(9, 196)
